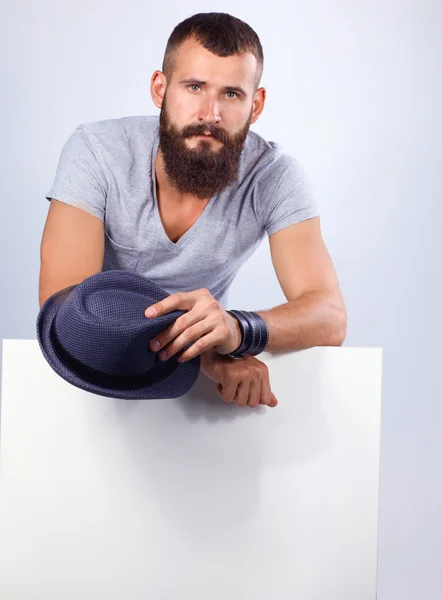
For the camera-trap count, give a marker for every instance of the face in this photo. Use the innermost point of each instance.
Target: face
(207, 107)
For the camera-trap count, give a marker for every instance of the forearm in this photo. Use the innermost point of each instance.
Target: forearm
(314, 319)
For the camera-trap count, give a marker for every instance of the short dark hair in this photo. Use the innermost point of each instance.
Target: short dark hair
(220, 33)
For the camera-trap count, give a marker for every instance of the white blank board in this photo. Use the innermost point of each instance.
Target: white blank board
(192, 498)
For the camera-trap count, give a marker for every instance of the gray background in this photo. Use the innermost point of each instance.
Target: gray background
(354, 91)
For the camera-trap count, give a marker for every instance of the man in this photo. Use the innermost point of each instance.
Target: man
(185, 200)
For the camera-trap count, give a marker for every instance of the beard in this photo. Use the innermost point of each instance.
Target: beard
(201, 171)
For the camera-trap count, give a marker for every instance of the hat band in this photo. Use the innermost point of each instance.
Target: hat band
(157, 373)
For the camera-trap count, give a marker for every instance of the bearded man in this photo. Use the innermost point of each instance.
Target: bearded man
(185, 199)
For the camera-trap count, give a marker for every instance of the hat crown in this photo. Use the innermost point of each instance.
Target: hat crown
(104, 326)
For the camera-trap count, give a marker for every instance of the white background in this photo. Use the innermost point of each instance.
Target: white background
(354, 92)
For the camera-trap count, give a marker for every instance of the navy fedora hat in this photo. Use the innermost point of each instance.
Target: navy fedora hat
(96, 336)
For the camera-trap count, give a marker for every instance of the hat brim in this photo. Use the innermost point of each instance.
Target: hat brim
(177, 383)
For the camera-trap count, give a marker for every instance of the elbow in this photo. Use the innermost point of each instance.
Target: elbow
(339, 338)
(340, 329)
(338, 323)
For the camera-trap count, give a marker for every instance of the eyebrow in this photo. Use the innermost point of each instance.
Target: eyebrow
(227, 88)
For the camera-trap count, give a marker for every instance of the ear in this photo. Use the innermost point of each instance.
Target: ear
(158, 84)
(258, 104)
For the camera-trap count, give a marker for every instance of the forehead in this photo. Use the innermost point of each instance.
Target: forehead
(193, 60)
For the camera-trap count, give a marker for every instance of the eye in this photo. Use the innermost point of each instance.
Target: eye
(235, 94)
(193, 85)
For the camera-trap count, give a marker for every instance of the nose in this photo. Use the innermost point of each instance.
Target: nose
(209, 111)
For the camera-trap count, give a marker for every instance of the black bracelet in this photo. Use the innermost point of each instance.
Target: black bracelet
(254, 331)
(259, 337)
(244, 327)
(260, 340)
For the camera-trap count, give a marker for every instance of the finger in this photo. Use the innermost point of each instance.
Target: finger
(254, 393)
(227, 392)
(270, 402)
(242, 393)
(267, 397)
(273, 401)
(178, 301)
(199, 312)
(176, 329)
(194, 336)
(209, 340)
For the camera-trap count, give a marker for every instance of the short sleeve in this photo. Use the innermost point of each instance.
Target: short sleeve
(286, 196)
(79, 179)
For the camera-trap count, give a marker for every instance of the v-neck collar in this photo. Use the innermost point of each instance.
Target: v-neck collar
(162, 233)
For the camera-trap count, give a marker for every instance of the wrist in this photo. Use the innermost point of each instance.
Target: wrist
(207, 361)
(254, 333)
(237, 336)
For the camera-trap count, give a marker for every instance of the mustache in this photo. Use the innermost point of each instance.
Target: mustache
(217, 133)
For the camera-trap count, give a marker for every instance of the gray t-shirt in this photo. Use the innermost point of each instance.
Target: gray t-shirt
(107, 168)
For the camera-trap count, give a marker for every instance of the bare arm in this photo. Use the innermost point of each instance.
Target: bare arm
(72, 248)
(315, 313)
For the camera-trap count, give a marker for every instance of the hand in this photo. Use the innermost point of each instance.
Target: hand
(206, 322)
(244, 381)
